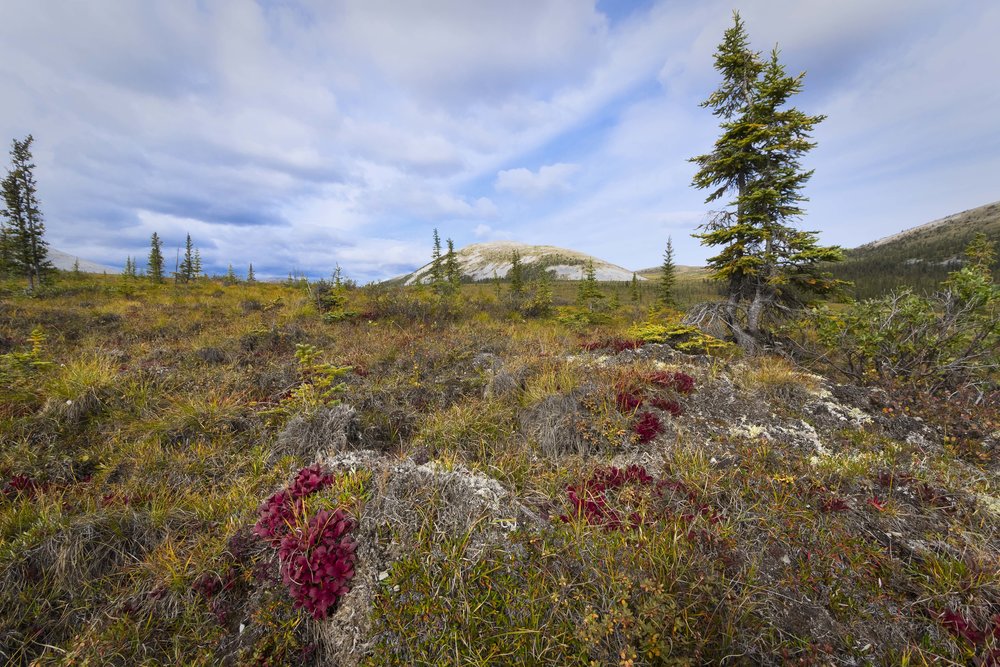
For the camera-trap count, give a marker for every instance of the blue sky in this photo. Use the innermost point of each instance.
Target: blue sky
(298, 134)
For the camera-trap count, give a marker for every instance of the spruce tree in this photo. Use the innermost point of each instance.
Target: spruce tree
(634, 289)
(588, 292)
(230, 278)
(24, 231)
(452, 273)
(185, 273)
(767, 264)
(668, 276)
(250, 276)
(516, 275)
(437, 266)
(196, 264)
(154, 265)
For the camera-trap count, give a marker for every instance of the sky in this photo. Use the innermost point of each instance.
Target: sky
(302, 134)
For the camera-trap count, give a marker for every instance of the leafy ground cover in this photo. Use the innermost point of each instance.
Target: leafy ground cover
(271, 474)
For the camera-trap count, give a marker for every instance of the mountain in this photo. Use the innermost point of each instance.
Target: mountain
(64, 262)
(483, 261)
(919, 257)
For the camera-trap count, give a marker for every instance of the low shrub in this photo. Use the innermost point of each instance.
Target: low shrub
(316, 555)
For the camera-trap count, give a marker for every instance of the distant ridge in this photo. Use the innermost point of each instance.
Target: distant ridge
(919, 257)
(65, 261)
(984, 219)
(483, 261)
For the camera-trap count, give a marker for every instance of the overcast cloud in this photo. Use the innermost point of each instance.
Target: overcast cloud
(301, 134)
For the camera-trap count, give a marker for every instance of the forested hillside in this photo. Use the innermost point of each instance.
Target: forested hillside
(919, 257)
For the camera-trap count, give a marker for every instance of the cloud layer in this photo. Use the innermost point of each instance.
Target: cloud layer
(302, 134)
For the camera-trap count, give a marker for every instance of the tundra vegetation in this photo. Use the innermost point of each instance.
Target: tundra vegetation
(224, 471)
(321, 473)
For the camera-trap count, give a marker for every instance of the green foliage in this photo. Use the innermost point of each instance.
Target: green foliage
(318, 389)
(453, 276)
(516, 275)
(19, 370)
(588, 293)
(23, 248)
(919, 259)
(154, 264)
(946, 341)
(190, 265)
(765, 262)
(684, 338)
(668, 277)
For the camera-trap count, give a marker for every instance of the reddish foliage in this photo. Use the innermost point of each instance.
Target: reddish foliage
(676, 380)
(960, 626)
(648, 427)
(275, 515)
(835, 504)
(590, 501)
(22, 485)
(317, 561)
(878, 504)
(208, 585)
(627, 401)
(310, 480)
(668, 405)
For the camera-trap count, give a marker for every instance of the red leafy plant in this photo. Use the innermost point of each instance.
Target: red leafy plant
(22, 485)
(316, 555)
(680, 382)
(627, 400)
(668, 405)
(589, 500)
(317, 561)
(648, 427)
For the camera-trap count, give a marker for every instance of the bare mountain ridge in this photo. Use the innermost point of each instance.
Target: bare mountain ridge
(484, 261)
(65, 261)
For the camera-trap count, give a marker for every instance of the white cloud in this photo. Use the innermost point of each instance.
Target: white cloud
(527, 183)
(326, 130)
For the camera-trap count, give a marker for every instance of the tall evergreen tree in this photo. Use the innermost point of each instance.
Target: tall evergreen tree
(25, 248)
(636, 295)
(588, 292)
(668, 276)
(185, 273)
(251, 278)
(451, 271)
(154, 265)
(437, 266)
(768, 265)
(516, 275)
(196, 264)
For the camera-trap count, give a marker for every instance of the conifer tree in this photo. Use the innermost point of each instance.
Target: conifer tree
(634, 289)
(230, 278)
(185, 273)
(76, 267)
(25, 249)
(452, 273)
(767, 264)
(516, 275)
(437, 266)
(668, 276)
(588, 293)
(154, 265)
(196, 264)
(250, 276)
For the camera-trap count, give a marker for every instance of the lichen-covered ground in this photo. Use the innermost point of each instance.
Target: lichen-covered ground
(516, 491)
